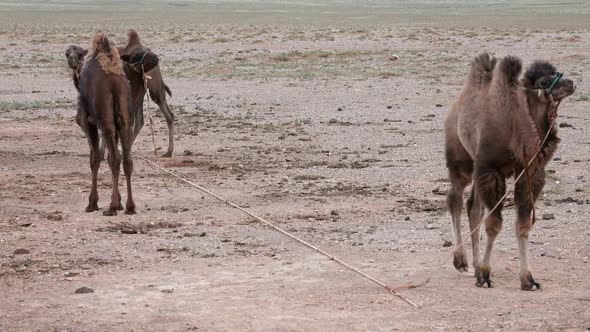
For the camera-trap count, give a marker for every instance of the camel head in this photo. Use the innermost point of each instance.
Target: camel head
(138, 56)
(544, 77)
(75, 56)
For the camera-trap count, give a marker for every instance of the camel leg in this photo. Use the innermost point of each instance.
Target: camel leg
(127, 167)
(160, 100)
(137, 122)
(101, 150)
(475, 213)
(455, 205)
(114, 158)
(170, 122)
(490, 186)
(524, 223)
(91, 132)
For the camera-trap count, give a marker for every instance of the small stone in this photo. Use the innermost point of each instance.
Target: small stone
(203, 234)
(438, 105)
(565, 125)
(548, 216)
(447, 243)
(54, 217)
(334, 213)
(188, 153)
(84, 290)
(393, 58)
(21, 251)
(333, 121)
(168, 290)
(339, 109)
(407, 218)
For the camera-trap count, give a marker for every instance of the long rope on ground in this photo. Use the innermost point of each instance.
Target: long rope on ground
(392, 290)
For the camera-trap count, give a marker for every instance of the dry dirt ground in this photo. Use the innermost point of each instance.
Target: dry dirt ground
(333, 133)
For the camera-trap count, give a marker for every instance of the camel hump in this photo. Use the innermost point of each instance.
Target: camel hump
(106, 54)
(481, 70)
(133, 37)
(101, 43)
(510, 68)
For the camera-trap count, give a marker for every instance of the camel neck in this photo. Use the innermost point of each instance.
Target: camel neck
(538, 111)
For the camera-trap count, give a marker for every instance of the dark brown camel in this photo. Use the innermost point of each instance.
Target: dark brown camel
(134, 54)
(75, 56)
(492, 132)
(105, 105)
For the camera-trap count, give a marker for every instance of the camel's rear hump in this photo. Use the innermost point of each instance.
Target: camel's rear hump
(510, 68)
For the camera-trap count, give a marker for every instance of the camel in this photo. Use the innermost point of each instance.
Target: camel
(75, 56)
(134, 54)
(492, 132)
(104, 105)
(133, 71)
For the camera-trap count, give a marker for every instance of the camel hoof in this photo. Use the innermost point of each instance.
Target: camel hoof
(167, 154)
(483, 277)
(120, 207)
(130, 211)
(110, 212)
(527, 283)
(91, 208)
(460, 262)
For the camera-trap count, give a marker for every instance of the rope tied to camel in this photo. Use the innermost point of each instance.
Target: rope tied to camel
(146, 77)
(551, 117)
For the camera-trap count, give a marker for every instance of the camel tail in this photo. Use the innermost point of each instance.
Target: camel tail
(168, 90)
(480, 74)
(510, 68)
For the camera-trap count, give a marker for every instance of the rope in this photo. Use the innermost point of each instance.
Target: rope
(145, 84)
(392, 290)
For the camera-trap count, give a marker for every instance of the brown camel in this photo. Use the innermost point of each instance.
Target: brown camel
(492, 132)
(134, 54)
(105, 104)
(75, 56)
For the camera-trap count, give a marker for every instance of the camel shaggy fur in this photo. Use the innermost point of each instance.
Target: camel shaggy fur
(492, 132)
(104, 106)
(138, 57)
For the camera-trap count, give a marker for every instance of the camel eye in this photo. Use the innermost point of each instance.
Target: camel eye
(543, 82)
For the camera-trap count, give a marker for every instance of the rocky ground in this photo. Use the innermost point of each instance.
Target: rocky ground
(333, 133)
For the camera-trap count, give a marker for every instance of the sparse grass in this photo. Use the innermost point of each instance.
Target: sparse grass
(34, 104)
(583, 97)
